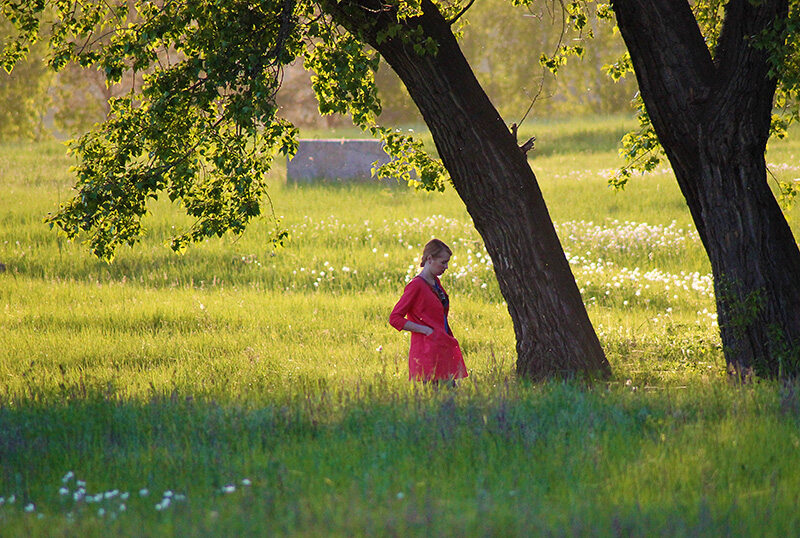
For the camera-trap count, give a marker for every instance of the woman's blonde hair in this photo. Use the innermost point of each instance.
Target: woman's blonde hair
(434, 248)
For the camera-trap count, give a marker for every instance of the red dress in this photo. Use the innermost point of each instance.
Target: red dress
(436, 356)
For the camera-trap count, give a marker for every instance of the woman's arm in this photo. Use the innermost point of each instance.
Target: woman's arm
(397, 318)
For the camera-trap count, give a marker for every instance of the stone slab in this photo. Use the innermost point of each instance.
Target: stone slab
(335, 160)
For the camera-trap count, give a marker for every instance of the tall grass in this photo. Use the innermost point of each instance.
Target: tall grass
(238, 390)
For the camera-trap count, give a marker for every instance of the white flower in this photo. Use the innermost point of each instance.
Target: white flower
(246, 482)
(124, 496)
(63, 491)
(143, 492)
(400, 495)
(30, 507)
(230, 488)
(101, 512)
(379, 349)
(168, 494)
(67, 477)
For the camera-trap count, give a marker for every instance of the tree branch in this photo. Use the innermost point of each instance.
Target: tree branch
(458, 15)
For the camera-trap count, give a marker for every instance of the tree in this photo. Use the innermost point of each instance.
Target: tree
(710, 99)
(204, 129)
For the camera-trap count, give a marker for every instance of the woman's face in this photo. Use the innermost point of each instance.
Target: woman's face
(438, 264)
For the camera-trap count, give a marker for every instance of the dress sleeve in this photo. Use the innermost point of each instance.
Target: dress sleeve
(397, 318)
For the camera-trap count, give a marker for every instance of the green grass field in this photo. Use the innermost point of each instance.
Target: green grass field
(234, 390)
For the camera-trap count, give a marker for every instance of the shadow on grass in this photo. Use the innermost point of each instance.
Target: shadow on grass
(493, 456)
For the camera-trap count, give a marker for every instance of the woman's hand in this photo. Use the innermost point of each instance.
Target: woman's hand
(418, 328)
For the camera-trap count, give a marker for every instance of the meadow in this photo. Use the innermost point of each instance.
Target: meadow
(239, 390)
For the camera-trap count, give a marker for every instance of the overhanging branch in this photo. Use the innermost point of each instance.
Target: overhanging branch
(458, 15)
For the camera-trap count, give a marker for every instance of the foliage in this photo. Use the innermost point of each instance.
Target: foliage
(203, 127)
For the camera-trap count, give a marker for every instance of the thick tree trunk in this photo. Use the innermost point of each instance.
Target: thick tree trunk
(493, 178)
(712, 117)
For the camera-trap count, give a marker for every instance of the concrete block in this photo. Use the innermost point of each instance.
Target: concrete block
(334, 160)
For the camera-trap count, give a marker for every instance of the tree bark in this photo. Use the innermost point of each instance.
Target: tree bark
(712, 117)
(492, 176)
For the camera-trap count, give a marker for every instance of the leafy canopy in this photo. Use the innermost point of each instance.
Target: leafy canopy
(203, 128)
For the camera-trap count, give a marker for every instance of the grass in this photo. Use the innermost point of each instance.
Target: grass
(236, 390)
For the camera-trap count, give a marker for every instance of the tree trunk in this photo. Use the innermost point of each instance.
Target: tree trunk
(712, 117)
(492, 176)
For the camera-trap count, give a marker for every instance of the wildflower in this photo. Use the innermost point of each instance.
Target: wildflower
(400, 495)
(122, 507)
(379, 348)
(168, 494)
(81, 483)
(124, 496)
(67, 477)
(143, 492)
(30, 507)
(230, 488)
(101, 512)
(246, 482)
(63, 491)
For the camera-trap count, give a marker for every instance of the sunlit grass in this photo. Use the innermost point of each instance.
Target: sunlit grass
(236, 390)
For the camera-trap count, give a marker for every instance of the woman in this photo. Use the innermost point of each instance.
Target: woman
(422, 310)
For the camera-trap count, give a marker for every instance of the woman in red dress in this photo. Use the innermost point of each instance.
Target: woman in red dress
(434, 354)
